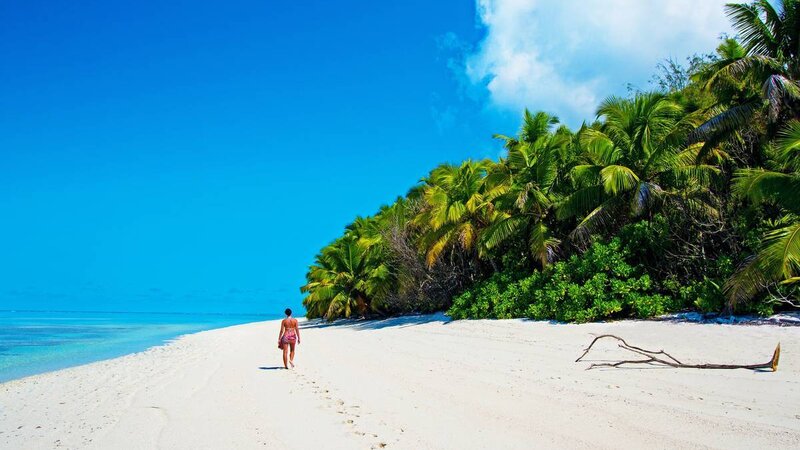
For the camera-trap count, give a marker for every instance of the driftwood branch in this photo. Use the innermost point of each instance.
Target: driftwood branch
(662, 358)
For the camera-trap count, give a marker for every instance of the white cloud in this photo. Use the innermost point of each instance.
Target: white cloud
(565, 56)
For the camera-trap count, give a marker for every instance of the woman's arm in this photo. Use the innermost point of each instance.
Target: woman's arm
(297, 330)
(283, 328)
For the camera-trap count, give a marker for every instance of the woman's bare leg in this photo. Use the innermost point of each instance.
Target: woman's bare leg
(291, 355)
(285, 355)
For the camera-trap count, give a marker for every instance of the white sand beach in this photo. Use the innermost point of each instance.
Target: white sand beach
(418, 383)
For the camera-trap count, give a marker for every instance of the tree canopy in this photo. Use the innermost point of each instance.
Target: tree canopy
(684, 197)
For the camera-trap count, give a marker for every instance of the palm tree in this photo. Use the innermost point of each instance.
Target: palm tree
(346, 277)
(455, 208)
(633, 159)
(777, 259)
(524, 182)
(769, 61)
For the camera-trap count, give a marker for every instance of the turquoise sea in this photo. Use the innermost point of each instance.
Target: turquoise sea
(33, 342)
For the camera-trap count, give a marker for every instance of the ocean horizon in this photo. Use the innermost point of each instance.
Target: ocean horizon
(34, 342)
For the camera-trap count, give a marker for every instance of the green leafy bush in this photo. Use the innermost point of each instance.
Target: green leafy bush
(645, 241)
(599, 284)
(706, 294)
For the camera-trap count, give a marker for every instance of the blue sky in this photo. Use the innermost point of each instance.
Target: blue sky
(194, 156)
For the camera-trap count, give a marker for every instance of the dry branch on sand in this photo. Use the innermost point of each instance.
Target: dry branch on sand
(663, 358)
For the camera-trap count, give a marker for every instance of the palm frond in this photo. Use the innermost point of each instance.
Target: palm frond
(718, 75)
(778, 91)
(542, 244)
(781, 248)
(731, 119)
(757, 37)
(518, 156)
(700, 208)
(546, 168)
(593, 222)
(710, 149)
(456, 211)
(586, 174)
(701, 174)
(467, 234)
(756, 64)
(537, 125)
(502, 229)
(580, 201)
(761, 185)
(778, 259)
(788, 145)
(598, 147)
(437, 248)
(617, 179)
(509, 142)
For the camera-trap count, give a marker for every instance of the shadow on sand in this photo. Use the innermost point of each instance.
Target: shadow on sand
(377, 324)
(272, 368)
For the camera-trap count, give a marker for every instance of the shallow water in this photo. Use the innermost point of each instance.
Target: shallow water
(34, 342)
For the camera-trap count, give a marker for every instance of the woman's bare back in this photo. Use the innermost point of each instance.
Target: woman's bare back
(290, 323)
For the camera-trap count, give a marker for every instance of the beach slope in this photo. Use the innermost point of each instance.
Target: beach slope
(418, 383)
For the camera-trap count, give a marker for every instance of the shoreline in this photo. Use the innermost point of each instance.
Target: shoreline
(37, 342)
(165, 343)
(416, 382)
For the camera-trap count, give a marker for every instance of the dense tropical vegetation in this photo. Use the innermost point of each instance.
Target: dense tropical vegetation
(687, 197)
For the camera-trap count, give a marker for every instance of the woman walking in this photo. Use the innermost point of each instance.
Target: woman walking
(288, 337)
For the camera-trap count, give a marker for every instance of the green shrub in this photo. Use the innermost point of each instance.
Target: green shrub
(645, 241)
(599, 284)
(480, 301)
(764, 309)
(705, 294)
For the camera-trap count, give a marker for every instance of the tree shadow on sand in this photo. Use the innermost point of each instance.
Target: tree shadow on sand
(377, 324)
